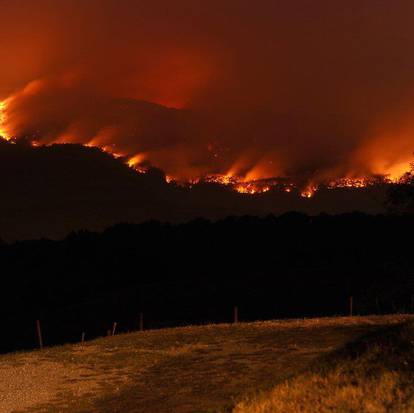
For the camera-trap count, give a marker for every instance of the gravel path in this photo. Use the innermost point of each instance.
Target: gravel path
(27, 381)
(182, 370)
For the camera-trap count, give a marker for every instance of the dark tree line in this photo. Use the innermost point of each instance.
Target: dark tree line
(401, 197)
(288, 266)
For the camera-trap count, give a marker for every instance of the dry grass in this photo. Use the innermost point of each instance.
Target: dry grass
(375, 376)
(186, 370)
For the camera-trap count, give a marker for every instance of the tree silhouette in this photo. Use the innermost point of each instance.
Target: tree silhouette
(401, 196)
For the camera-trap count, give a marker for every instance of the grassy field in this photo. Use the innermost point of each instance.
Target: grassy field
(373, 375)
(319, 365)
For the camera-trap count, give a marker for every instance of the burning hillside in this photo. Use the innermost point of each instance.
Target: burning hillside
(50, 190)
(240, 176)
(261, 93)
(290, 185)
(250, 182)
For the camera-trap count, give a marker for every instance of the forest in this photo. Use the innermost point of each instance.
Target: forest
(293, 265)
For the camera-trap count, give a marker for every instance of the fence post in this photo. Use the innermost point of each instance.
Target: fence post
(351, 306)
(39, 334)
(83, 338)
(236, 315)
(114, 328)
(141, 321)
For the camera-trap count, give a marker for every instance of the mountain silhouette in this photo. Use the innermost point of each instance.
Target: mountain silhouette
(48, 191)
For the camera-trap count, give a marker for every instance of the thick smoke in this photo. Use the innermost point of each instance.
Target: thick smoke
(312, 89)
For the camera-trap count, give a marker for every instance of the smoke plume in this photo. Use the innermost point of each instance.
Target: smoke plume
(312, 89)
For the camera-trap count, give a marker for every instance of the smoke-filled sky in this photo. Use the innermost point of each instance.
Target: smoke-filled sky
(312, 88)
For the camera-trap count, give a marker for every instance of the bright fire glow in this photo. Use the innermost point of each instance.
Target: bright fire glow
(348, 183)
(3, 130)
(245, 176)
(201, 104)
(251, 188)
(239, 184)
(136, 160)
(309, 191)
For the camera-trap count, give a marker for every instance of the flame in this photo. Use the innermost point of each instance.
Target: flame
(251, 188)
(348, 183)
(87, 86)
(136, 160)
(112, 151)
(3, 120)
(396, 171)
(247, 175)
(309, 191)
(226, 179)
(239, 184)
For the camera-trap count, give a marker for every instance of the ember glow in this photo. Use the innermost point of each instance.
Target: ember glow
(136, 161)
(250, 97)
(240, 184)
(251, 183)
(309, 191)
(3, 123)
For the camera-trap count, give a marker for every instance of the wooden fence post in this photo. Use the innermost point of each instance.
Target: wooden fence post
(141, 321)
(351, 306)
(236, 315)
(83, 338)
(39, 334)
(114, 328)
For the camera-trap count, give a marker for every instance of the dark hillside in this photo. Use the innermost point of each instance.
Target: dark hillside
(282, 267)
(48, 191)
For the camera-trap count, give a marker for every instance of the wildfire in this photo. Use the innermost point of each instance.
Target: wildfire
(251, 188)
(244, 176)
(222, 179)
(3, 130)
(136, 160)
(348, 183)
(110, 150)
(309, 191)
(239, 184)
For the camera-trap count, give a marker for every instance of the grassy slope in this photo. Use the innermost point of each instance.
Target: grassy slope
(373, 375)
(183, 370)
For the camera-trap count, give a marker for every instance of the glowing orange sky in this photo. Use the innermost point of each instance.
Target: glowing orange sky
(314, 89)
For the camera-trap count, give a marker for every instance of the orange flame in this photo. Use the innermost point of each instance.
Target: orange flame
(136, 160)
(247, 175)
(3, 120)
(309, 191)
